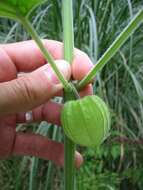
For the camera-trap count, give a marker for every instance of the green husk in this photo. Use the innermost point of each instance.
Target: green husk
(86, 121)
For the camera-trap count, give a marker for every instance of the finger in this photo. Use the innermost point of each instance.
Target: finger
(81, 65)
(39, 146)
(87, 91)
(29, 57)
(7, 136)
(32, 90)
(44, 113)
(8, 70)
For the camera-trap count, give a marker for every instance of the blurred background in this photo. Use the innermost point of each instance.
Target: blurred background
(118, 163)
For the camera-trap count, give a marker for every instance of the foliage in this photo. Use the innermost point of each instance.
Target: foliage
(9, 8)
(118, 163)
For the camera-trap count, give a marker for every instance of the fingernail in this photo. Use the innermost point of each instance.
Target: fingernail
(78, 159)
(64, 68)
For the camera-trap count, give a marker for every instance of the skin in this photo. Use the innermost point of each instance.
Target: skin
(33, 91)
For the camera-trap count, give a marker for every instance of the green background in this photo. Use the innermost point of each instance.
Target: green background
(118, 164)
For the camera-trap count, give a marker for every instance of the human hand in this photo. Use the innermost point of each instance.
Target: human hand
(33, 91)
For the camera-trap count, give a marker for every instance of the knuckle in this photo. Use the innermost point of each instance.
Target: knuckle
(29, 92)
(26, 91)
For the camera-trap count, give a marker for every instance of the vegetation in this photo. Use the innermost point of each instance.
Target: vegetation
(118, 163)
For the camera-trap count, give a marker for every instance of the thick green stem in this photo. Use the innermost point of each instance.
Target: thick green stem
(68, 30)
(45, 52)
(70, 94)
(69, 152)
(69, 166)
(69, 170)
(116, 45)
(70, 91)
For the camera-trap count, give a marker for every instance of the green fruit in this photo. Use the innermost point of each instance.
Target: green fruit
(86, 121)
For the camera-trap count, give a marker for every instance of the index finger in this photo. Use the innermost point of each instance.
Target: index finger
(39, 146)
(27, 56)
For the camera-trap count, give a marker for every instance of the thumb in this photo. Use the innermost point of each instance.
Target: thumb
(31, 90)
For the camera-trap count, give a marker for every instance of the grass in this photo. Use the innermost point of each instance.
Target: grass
(118, 163)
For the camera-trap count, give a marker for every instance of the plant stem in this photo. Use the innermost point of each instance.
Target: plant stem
(69, 170)
(68, 30)
(70, 91)
(28, 26)
(69, 155)
(116, 45)
(69, 167)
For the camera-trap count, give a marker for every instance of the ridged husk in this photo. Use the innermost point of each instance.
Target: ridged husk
(86, 121)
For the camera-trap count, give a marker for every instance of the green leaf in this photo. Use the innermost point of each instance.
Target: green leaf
(15, 8)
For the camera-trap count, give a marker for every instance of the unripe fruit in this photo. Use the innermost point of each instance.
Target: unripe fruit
(86, 121)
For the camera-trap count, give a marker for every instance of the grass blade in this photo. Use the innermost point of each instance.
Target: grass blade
(116, 45)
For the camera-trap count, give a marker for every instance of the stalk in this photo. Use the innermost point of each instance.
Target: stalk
(69, 151)
(69, 90)
(69, 154)
(28, 26)
(116, 45)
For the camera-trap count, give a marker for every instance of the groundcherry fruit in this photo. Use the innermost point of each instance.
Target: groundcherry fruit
(86, 121)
